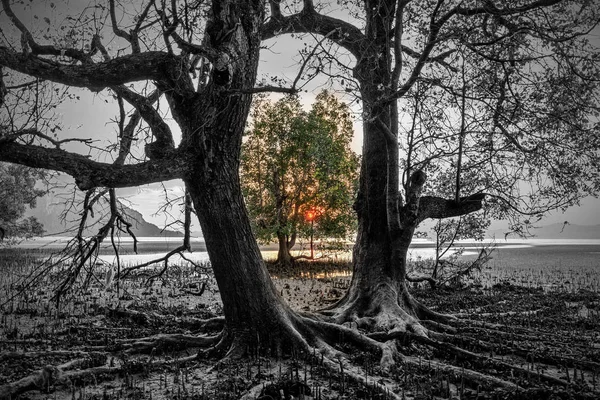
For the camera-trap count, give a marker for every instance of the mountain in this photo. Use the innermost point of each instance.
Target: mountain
(568, 231)
(140, 227)
(51, 212)
(557, 231)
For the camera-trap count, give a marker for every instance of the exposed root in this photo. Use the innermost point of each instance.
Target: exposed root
(164, 343)
(419, 330)
(19, 355)
(496, 314)
(477, 378)
(153, 318)
(387, 312)
(497, 364)
(512, 349)
(325, 343)
(76, 370)
(49, 376)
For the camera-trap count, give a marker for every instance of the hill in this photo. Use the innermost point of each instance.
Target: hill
(557, 231)
(568, 231)
(51, 214)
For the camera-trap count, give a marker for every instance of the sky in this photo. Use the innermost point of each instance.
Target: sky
(91, 115)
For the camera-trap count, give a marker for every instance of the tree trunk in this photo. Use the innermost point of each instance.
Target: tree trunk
(255, 315)
(378, 297)
(284, 257)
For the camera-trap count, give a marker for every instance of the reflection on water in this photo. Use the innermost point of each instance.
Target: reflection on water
(538, 262)
(133, 259)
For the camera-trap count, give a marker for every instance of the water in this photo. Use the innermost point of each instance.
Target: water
(548, 263)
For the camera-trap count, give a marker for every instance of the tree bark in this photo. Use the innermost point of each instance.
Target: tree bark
(378, 297)
(255, 316)
(284, 257)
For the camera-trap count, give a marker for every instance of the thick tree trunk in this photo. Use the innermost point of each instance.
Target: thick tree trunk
(255, 315)
(378, 297)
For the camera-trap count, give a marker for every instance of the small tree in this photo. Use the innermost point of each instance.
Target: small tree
(17, 192)
(295, 161)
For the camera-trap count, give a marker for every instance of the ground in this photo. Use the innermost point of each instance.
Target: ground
(139, 341)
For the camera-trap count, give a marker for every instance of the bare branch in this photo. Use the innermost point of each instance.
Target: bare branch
(309, 21)
(161, 131)
(115, 26)
(88, 173)
(130, 68)
(29, 44)
(266, 89)
(54, 142)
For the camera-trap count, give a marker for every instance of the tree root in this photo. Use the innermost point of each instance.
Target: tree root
(154, 318)
(18, 355)
(416, 324)
(164, 343)
(76, 370)
(476, 378)
(497, 364)
(48, 376)
(323, 342)
(527, 354)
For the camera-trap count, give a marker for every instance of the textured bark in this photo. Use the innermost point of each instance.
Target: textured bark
(255, 315)
(284, 257)
(89, 173)
(125, 69)
(378, 297)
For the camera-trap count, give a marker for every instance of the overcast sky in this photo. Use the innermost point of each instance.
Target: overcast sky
(90, 117)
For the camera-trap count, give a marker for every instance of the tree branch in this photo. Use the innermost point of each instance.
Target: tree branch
(308, 20)
(436, 25)
(130, 68)
(115, 26)
(34, 47)
(160, 130)
(88, 173)
(437, 207)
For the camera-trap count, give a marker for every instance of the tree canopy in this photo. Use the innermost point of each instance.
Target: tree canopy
(17, 192)
(294, 162)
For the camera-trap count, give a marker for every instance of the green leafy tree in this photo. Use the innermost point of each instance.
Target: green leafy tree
(17, 192)
(294, 162)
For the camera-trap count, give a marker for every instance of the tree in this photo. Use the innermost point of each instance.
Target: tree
(294, 162)
(17, 192)
(202, 59)
(526, 91)
(196, 66)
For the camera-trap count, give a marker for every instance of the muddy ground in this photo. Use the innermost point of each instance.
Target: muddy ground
(102, 343)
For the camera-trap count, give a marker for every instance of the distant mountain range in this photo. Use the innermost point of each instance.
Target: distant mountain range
(557, 231)
(50, 214)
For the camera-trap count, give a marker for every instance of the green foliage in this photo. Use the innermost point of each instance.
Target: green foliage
(17, 192)
(294, 161)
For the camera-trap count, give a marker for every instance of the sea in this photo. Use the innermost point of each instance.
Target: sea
(550, 263)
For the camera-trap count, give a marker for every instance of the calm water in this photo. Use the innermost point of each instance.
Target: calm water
(566, 265)
(549, 263)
